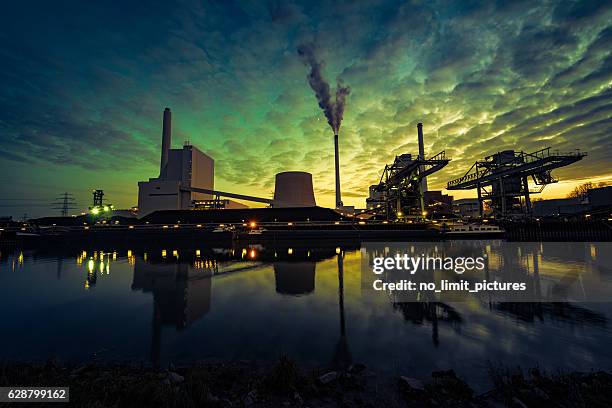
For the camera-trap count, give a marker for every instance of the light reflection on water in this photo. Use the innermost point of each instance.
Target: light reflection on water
(184, 304)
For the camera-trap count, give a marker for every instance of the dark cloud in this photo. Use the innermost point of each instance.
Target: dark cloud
(85, 85)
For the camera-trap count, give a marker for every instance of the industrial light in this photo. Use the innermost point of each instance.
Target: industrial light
(424, 213)
(106, 208)
(95, 210)
(252, 224)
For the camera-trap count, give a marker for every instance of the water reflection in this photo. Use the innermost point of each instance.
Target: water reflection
(182, 285)
(306, 301)
(342, 355)
(433, 313)
(294, 278)
(181, 295)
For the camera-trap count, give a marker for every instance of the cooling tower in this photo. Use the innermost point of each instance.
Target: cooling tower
(294, 189)
(166, 142)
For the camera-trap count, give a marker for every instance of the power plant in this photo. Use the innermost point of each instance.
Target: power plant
(180, 171)
(186, 181)
(182, 201)
(502, 179)
(399, 195)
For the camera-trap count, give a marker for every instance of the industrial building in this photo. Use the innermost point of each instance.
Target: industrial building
(180, 171)
(187, 176)
(466, 208)
(502, 179)
(438, 204)
(559, 207)
(218, 204)
(598, 201)
(400, 193)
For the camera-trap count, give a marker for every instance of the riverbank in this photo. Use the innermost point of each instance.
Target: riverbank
(246, 384)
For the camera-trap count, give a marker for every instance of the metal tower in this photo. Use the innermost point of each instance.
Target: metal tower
(98, 197)
(502, 179)
(64, 203)
(399, 192)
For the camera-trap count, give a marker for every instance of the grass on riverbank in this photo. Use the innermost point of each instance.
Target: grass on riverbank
(244, 384)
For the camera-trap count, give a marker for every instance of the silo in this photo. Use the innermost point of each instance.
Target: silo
(294, 189)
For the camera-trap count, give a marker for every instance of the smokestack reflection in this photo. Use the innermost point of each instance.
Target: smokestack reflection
(342, 354)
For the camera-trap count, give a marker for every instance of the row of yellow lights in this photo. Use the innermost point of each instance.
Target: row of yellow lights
(251, 224)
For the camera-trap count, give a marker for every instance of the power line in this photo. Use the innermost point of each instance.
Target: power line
(64, 203)
(25, 205)
(23, 199)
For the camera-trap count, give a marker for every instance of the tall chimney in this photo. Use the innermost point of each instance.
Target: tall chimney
(166, 142)
(338, 196)
(422, 154)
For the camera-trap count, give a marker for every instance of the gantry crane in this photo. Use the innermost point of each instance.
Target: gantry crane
(502, 179)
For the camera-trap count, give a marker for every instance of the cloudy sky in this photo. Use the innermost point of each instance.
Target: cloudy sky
(83, 86)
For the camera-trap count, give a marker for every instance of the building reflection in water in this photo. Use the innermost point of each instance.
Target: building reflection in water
(295, 278)
(181, 293)
(557, 276)
(430, 312)
(552, 273)
(298, 278)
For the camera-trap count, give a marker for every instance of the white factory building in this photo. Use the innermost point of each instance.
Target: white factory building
(180, 170)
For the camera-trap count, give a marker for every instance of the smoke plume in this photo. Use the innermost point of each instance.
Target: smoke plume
(333, 109)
